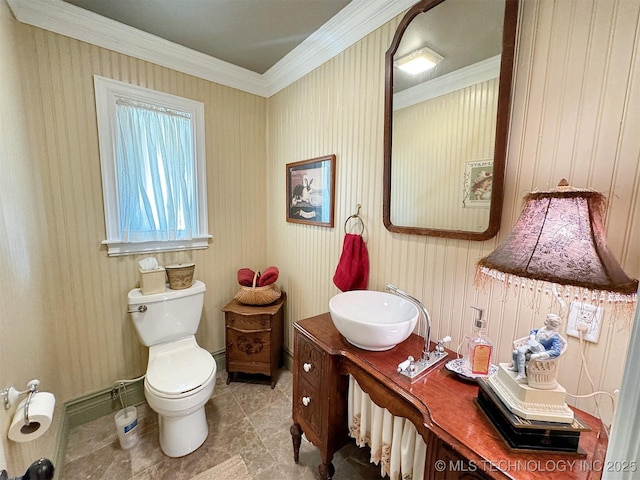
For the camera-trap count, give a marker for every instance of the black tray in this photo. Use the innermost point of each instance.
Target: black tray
(525, 434)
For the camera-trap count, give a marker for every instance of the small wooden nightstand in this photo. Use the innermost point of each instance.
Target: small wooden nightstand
(254, 336)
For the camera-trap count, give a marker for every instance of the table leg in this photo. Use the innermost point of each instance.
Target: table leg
(296, 438)
(326, 471)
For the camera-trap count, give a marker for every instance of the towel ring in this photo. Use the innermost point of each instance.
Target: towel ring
(355, 216)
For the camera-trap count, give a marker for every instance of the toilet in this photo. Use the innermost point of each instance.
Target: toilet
(180, 374)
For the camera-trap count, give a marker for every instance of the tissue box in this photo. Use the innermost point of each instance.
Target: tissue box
(152, 281)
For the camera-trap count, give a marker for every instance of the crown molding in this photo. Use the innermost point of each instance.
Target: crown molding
(71, 21)
(355, 21)
(351, 24)
(462, 78)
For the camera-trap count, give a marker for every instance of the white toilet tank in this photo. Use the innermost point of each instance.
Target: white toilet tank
(167, 316)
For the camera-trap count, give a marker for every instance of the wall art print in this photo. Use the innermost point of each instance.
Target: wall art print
(311, 191)
(478, 183)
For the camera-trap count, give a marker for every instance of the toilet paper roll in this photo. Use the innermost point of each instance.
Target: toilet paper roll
(40, 416)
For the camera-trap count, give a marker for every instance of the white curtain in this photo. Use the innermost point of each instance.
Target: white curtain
(155, 168)
(395, 443)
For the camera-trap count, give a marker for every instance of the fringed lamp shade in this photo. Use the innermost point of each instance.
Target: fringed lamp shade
(559, 239)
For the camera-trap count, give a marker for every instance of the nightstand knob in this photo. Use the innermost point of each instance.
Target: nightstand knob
(307, 367)
(306, 401)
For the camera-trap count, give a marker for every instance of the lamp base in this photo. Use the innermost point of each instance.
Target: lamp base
(527, 402)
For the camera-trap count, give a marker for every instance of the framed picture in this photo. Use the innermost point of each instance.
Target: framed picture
(478, 183)
(311, 191)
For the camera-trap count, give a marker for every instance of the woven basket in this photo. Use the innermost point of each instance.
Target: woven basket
(258, 295)
(180, 275)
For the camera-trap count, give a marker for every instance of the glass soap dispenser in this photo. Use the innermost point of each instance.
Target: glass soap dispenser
(479, 352)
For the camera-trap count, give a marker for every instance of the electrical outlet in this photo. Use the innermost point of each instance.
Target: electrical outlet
(587, 318)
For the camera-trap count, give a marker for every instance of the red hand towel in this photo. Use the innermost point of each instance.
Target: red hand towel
(269, 276)
(245, 277)
(352, 272)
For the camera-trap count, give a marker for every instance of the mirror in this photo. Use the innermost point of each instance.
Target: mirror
(445, 129)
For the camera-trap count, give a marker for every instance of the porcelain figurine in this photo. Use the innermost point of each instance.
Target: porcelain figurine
(543, 343)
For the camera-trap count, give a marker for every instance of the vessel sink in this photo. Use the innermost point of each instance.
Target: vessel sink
(373, 320)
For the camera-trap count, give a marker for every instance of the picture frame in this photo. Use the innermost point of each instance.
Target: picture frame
(311, 191)
(478, 183)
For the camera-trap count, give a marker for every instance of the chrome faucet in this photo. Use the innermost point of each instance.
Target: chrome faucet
(410, 367)
(425, 331)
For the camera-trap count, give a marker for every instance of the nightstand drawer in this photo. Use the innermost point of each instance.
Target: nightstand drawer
(248, 323)
(310, 362)
(307, 405)
(248, 347)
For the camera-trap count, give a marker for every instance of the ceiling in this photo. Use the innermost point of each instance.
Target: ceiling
(464, 32)
(257, 46)
(253, 34)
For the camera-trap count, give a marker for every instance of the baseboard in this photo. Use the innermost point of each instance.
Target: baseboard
(61, 445)
(221, 360)
(88, 408)
(287, 359)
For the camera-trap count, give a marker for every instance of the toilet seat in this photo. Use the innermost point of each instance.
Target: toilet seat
(179, 368)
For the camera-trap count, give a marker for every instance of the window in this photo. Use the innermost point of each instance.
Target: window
(152, 157)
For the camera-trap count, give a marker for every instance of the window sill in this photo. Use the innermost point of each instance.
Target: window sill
(117, 248)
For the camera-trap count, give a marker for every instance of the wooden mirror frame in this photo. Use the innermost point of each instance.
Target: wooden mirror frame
(502, 126)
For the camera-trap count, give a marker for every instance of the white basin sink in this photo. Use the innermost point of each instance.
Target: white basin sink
(373, 320)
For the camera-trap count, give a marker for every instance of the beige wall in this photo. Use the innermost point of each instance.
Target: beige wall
(63, 300)
(576, 114)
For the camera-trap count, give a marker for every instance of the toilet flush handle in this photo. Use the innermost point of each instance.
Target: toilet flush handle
(140, 309)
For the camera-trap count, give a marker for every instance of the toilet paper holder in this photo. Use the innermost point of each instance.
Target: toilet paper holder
(10, 395)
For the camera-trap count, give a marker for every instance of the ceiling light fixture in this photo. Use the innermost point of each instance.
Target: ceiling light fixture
(418, 61)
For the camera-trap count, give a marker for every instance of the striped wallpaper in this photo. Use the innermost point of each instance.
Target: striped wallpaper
(575, 114)
(64, 317)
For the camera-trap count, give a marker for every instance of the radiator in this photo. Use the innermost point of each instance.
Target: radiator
(394, 441)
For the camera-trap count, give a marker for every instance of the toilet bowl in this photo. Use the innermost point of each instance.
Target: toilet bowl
(180, 375)
(179, 382)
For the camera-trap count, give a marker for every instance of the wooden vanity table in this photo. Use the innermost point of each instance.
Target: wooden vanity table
(461, 442)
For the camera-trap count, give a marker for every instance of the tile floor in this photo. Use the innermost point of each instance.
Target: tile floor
(246, 417)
